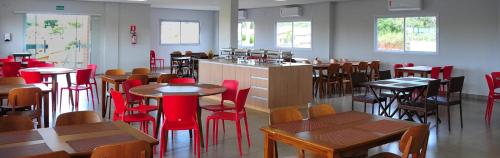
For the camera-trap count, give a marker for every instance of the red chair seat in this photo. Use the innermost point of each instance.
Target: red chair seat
(144, 108)
(179, 125)
(226, 115)
(139, 117)
(217, 107)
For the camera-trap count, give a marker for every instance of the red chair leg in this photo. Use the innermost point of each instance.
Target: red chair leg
(246, 128)
(92, 95)
(207, 127)
(238, 133)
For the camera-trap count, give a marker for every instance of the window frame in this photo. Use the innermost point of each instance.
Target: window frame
(180, 33)
(293, 35)
(375, 35)
(255, 35)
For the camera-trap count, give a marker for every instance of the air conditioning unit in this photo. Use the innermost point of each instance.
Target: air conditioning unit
(242, 14)
(404, 5)
(291, 12)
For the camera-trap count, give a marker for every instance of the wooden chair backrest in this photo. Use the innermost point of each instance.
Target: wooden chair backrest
(23, 97)
(143, 78)
(283, 115)
(15, 123)
(12, 80)
(164, 78)
(115, 72)
(363, 66)
(414, 141)
(58, 154)
(321, 110)
(76, 118)
(141, 71)
(134, 149)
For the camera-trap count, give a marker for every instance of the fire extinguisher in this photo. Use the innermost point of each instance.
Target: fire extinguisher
(133, 33)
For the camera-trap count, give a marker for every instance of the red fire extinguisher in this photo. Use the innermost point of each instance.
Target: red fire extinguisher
(133, 33)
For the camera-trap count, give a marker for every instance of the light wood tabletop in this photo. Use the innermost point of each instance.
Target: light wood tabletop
(77, 140)
(335, 134)
(5, 89)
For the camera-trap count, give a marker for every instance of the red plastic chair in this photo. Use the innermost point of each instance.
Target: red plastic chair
(82, 83)
(11, 57)
(447, 70)
(236, 116)
(28, 59)
(134, 99)
(492, 96)
(153, 61)
(229, 95)
(182, 81)
(410, 65)
(11, 69)
(122, 113)
(396, 73)
(93, 81)
(35, 63)
(179, 113)
(435, 71)
(31, 77)
(496, 79)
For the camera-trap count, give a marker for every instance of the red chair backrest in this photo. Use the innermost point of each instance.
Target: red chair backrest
(10, 57)
(180, 109)
(35, 63)
(83, 76)
(44, 64)
(152, 54)
(11, 69)
(152, 57)
(496, 79)
(28, 59)
(396, 73)
(119, 103)
(491, 84)
(129, 84)
(182, 81)
(242, 99)
(231, 90)
(93, 68)
(447, 70)
(410, 65)
(435, 72)
(31, 77)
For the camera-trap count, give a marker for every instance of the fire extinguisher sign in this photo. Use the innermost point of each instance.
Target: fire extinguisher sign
(133, 34)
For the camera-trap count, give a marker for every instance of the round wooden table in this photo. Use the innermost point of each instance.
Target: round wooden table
(53, 72)
(157, 91)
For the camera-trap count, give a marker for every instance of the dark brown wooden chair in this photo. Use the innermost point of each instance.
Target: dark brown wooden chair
(76, 118)
(321, 110)
(427, 106)
(134, 149)
(143, 78)
(15, 123)
(334, 80)
(58, 154)
(366, 96)
(25, 102)
(453, 97)
(363, 68)
(347, 71)
(174, 64)
(374, 70)
(112, 72)
(413, 142)
(141, 71)
(164, 78)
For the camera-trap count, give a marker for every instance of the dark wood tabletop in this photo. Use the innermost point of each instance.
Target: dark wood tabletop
(335, 134)
(77, 140)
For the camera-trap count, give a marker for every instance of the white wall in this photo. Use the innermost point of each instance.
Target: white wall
(468, 36)
(319, 14)
(208, 26)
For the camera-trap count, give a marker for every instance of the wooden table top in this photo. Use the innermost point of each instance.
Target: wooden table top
(416, 68)
(342, 131)
(400, 83)
(161, 89)
(77, 140)
(49, 70)
(4, 89)
(121, 78)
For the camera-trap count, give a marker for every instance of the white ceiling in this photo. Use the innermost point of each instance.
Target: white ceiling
(213, 4)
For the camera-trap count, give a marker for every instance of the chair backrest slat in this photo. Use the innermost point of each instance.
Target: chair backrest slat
(284, 115)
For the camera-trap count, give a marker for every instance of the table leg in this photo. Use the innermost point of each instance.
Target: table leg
(103, 98)
(269, 145)
(68, 81)
(46, 110)
(54, 91)
(198, 116)
(158, 116)
(384, 108)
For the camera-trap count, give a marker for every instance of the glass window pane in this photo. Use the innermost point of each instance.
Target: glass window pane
(170, 32)
(421, 34)
(284, 34)
(247, 35)
(302, 34)
(390, 35)
(190, 33)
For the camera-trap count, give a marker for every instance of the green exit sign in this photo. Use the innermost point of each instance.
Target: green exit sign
(60, 7)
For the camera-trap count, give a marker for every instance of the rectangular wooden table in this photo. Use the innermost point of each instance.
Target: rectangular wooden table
(77, 140)
(332, 135)
(422, 70)
(116, 80)
(5, 89)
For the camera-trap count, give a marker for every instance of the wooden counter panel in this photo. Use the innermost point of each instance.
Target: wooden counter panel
(259, 72)
(228, 72)
(243, 75)
(259, 92)
(260, 83)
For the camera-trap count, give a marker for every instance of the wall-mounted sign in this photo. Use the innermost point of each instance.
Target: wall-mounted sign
(60, 7)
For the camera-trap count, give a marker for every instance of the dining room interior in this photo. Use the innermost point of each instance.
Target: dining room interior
(249, 78)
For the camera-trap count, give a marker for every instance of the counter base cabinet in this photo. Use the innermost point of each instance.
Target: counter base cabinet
(272, 86)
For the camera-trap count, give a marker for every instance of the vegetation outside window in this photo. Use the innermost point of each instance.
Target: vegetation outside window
(293, 34)
(246, 34)
(407, 34)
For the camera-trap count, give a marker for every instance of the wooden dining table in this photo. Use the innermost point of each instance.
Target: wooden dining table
(422, 70)
(158, 90)
(54, 72)
(117, 80)
(5, 89)
(77, 140)
(335, 134)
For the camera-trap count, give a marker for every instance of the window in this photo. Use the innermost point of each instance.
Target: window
(293, 34)
(180, 32)
(407, 34)
(246, 34)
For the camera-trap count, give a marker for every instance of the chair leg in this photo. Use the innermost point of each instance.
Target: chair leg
(449, 119)
(77, 100)
(461, 120)
(238, 132)
(207, 127)
(92, 95)
(246, 128)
